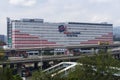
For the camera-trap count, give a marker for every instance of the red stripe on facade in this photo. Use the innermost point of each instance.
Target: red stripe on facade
(28, 41)
(36, 46)
(104, 38)
(34, 43)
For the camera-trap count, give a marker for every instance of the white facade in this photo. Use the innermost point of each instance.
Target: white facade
(32, 33)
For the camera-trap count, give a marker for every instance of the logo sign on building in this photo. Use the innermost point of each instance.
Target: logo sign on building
(63, 29)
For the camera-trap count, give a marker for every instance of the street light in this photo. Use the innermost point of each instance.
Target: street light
(41, 56)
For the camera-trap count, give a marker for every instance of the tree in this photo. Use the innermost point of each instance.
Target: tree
(40, 75)
(6, 74)
(17, 77)
(98, 67)
(2, 43)
(2, 54)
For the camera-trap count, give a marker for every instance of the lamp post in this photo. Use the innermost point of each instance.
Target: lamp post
(41, 56)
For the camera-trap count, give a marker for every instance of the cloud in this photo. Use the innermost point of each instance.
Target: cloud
(100, 18)
(23, 2)
(100, 1)
(61, 11)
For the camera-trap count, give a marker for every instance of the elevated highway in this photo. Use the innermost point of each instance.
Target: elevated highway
(68, 47)
(95, 46)
(48, 58)
(43, 58)
(57, 57)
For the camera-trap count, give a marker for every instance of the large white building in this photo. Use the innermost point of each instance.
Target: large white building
(35, 33)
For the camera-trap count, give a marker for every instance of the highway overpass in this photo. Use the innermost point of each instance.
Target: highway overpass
(68, 47)
(40, 59)
(50, 58)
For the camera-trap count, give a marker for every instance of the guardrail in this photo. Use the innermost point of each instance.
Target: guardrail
(44, 58)
(60, 68)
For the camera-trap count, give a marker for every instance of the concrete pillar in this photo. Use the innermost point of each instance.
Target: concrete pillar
(116, 56)
(119, 56)
(4, 65)
(36, 65)
(45, 65)
(11, 65)
(106, 49)
(19, 65)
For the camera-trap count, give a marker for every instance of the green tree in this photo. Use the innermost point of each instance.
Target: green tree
(6, 74)
(97, 67)
(40, 75)
(2, 43)
(2, 54)
(17, 77)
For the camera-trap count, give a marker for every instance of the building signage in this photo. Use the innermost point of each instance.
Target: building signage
(63, 29)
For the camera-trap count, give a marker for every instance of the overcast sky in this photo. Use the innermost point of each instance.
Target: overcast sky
(61, 11)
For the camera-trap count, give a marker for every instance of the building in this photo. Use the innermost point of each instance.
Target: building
(116, 34)
(2, 38)
(35, 33)
(116, 31)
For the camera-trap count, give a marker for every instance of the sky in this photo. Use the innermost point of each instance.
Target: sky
(93, 11)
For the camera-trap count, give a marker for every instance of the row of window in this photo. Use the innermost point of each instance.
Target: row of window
(54, 28)
(53, 24)
(56, 31)
(62, 40)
